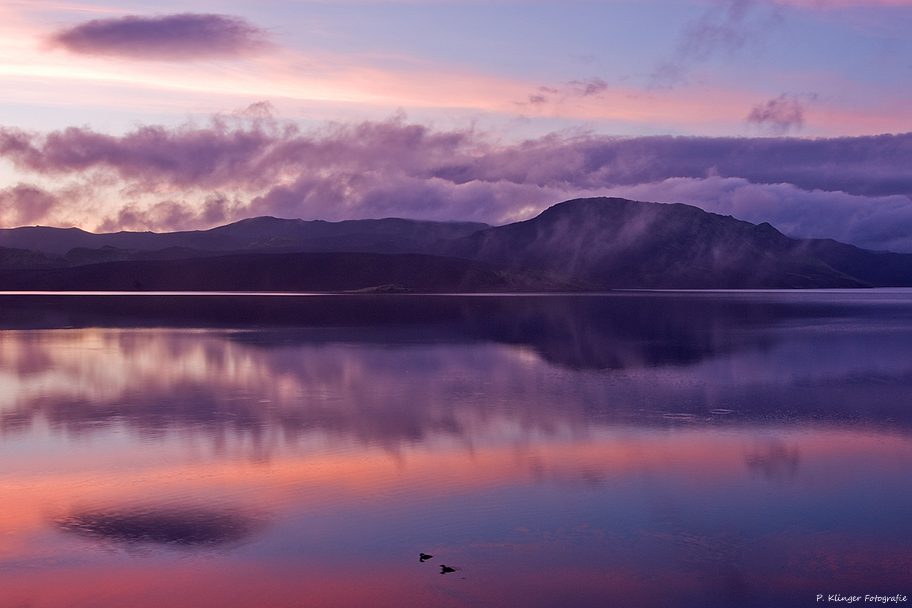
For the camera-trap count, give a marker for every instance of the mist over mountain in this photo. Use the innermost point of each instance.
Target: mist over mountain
(628, 244)
(577, 245)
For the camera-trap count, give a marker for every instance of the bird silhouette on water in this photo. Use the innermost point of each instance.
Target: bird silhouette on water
(445, 569)
(423, 557)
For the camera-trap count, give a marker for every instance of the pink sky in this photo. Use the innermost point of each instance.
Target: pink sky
(156, 107)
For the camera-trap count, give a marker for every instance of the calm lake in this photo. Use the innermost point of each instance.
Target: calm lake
(627, 449)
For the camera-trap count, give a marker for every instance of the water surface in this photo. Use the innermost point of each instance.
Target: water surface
(635, 449)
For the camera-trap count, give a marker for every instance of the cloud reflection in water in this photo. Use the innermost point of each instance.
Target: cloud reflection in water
(380, 380)
(167, 526)
(762, 455)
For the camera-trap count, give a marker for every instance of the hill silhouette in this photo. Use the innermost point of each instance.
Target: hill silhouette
(290, 272)
(620, 243)
(577, 245)
(389, 235)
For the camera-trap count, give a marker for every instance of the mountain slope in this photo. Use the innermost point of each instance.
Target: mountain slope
(582, 244)
(289, 272)
(627, 244)
(875, 268)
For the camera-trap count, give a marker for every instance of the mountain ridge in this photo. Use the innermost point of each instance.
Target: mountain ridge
(577, 245)
(249, 233)
(630, 244)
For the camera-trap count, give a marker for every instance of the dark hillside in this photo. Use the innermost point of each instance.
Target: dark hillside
(627, 244)
(259, 233)
(877, 268)
(289, 272)
(583, 244)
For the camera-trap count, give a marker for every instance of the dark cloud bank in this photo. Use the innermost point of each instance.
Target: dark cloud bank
(163, 38)
(854, 189)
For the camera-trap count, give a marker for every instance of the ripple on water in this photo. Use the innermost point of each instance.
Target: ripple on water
(678, 416)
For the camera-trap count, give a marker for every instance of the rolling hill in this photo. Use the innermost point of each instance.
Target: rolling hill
(577, 245)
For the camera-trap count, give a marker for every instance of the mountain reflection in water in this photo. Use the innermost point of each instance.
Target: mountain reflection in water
(651, 449)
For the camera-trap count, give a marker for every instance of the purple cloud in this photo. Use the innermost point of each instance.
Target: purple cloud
(879, 223)
(725, 28)
(855, 189)
(778, 115)
(24, 204)
(585, 88)
(182, 37)
(260, 109)
(185, 157)
(574, 88)
(172, 215)
(252, 154)
(868, 165)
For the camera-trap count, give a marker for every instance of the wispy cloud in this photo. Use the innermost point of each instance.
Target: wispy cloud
(854, 188)
(830, 4)
(336, 83)
(724, 28)
(183, 37)
(585, 88)
(589, 87)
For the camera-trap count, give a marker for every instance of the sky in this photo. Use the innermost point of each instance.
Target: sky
(132, 115)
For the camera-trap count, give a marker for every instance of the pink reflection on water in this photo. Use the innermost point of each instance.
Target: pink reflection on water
(329, 467)
(682, 523)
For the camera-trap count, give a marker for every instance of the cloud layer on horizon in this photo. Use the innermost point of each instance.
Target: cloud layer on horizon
(182, 37)
(852, 189)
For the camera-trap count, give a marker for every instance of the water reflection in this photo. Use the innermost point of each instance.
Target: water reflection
(775, 461)
(170, 526)
(638, 450)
